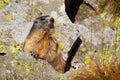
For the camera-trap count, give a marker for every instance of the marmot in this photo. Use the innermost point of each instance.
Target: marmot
(42, 43)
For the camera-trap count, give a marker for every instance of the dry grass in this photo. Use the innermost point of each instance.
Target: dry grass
(104, 71)
(112, 6)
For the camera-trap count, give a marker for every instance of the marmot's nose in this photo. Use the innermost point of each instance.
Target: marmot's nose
(52, 20)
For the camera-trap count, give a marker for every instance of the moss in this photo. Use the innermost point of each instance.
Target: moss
(54, 0)
(1, 39)
(116, 22)
(57, 23)
(61, 35)
(41, 67)
(9, 76)
(68, 27)
(3, 3)
(84, 49)
(9, 17)
(6, 1)
(15, 48)
(87, 60)
(61, 45)
(118, 35)
(62, 77)
(27, 67)
(24, 79)
(3, 48)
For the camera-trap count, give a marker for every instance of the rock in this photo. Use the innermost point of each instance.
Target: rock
(3, 18)
(22, 66)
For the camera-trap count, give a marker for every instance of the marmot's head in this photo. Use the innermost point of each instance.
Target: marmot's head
(42, 27)
(43, 22)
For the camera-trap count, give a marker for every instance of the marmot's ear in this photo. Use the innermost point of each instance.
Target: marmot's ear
(72, 53)
(72, 7)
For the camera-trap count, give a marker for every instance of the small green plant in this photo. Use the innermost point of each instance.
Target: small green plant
(3, 3)
(15, 48)
(3, 48)
(61, 45)
(27, 67)
(62, 77)
(6, 1)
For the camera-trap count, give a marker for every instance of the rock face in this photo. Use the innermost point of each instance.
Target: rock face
(16, 19)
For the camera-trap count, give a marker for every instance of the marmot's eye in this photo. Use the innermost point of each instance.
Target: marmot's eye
(36, 22)
(42, 19)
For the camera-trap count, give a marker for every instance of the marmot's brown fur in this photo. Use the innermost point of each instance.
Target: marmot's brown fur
(42, 43)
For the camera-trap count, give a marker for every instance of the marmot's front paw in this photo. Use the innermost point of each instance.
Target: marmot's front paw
(35, 56)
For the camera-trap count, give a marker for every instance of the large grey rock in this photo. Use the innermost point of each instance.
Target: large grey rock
(20, 65)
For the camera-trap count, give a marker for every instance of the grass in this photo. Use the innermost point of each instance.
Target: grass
(103, 71)
(111, 7)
